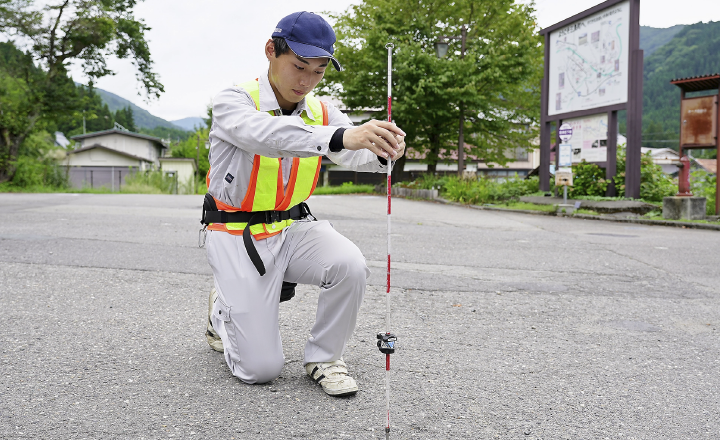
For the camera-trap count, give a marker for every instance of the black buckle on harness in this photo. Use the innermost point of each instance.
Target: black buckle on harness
(272, 217)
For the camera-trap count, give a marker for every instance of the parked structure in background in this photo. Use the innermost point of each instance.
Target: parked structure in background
(667, 158)
(105, 158)
(183, 169)
(708, 165)
(699, 118)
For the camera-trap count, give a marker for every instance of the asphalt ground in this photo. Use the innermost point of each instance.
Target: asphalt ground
(509, 325)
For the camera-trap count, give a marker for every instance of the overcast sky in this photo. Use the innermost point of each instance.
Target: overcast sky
(201, 47)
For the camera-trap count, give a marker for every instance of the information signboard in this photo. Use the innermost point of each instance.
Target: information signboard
(589, 61)
(594, 65)
(589, 140)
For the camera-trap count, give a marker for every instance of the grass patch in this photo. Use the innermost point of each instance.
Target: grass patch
(600, 198)
(345, 188)
(523, 206)
(586, 212)
(655, 215)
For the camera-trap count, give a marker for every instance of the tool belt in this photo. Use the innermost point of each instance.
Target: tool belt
(212, 215)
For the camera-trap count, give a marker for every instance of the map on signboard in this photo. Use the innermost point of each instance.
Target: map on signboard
(589, 62)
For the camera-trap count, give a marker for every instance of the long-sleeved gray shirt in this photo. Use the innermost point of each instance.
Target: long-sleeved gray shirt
(239, 132)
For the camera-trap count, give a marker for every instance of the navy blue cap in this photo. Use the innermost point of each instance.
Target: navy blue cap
(308, 35)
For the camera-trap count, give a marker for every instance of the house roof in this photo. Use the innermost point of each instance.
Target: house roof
(116, 131)
(698, 83)
(121, 153)
(661, 153)
(709, 165)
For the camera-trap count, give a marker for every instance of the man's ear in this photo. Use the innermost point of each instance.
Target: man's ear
(270, 49)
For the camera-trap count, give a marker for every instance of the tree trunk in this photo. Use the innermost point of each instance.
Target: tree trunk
(432, 154)
(11, 146)
(5, 156)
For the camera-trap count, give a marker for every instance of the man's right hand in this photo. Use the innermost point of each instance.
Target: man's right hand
(376, 136)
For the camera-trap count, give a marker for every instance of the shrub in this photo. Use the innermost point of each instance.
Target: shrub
(37, 164)
(149, 182)
(588, 180)
(483, 190)
(39, 172)
(654, 183)
(703, 185)
(425, 181)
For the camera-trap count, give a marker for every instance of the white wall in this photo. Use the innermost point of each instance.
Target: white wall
(128, 144)
(185, 169)
(99, 157)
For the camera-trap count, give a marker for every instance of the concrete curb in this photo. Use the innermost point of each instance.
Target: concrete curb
(428, 194)
(675, 224)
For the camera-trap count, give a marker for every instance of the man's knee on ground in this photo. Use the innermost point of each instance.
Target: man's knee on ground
(259, 369)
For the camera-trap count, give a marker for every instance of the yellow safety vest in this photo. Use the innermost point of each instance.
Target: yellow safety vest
(266, 191)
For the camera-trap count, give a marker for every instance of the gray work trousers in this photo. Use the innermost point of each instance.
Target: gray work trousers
(246, 312)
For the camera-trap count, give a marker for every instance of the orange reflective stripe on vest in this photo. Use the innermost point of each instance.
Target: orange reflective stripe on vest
(265, 190)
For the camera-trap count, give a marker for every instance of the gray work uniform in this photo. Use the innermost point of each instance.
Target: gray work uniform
(307, 252)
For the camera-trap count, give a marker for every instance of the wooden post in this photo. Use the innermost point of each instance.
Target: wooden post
(544, 171)
(633, 153)
(611, 168)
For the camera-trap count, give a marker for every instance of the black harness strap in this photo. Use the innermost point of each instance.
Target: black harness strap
(212, 215)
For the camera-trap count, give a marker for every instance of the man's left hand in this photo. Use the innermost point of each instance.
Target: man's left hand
(400, 149)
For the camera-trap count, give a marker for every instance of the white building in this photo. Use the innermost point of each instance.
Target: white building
(183, 169)
(105, 158)
(667, 158)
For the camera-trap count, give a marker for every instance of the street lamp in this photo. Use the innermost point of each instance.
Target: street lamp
(441, 49)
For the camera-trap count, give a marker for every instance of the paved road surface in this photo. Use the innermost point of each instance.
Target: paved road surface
(510, 326)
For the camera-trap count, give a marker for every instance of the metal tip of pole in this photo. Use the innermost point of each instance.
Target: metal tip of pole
(389, 46)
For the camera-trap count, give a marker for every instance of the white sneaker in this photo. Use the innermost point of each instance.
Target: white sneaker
(210, 334)
(333, 376)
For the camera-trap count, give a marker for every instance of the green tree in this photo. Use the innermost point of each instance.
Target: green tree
(57, 33)
(495, 85)
(124, 117)
(91, 107)
(19, 110)
(194, 147)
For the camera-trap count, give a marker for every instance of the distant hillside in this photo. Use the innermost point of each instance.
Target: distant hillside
(143, 118)
(651, 39)
(693, 51)
(190, 123)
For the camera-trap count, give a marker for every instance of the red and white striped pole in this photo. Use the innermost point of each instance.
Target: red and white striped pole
(389, 47)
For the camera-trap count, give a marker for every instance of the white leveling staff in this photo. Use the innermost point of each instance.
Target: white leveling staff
(386, 341)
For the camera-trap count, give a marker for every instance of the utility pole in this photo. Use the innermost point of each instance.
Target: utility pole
(83, 121)
(461, 138)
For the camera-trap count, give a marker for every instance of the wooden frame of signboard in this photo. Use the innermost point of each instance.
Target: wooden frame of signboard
(633, 106)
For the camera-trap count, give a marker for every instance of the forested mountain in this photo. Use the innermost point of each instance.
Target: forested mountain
(693, 51)
(651, 39)
(191, 123)
(143, 118)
